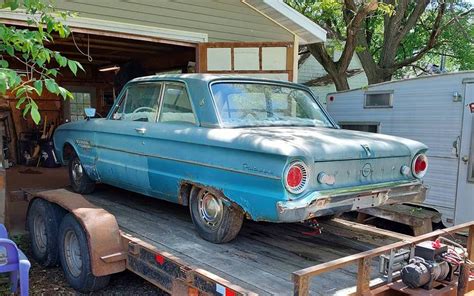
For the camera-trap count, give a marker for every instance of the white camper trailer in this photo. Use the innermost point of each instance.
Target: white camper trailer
(437, 110)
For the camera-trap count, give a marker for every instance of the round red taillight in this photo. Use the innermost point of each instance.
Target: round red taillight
(419, 165)
(296, 177)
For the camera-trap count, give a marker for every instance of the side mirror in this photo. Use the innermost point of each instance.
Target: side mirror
(90, 112)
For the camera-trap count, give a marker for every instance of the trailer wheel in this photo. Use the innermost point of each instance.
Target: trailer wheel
(75, 258)
(43, 221)
(80, 181)
(214, 220)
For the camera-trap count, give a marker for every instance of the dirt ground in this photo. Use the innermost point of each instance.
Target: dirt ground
(51, 281)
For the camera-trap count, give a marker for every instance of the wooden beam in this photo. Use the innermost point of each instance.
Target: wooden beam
(363, 276)
(301, 285)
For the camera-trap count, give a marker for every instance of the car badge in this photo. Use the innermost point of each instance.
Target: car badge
(367, 150)
(367, 170)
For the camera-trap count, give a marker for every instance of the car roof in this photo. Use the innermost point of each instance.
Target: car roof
(208, 78)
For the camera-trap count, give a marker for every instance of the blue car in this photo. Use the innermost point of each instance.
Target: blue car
(235, 147)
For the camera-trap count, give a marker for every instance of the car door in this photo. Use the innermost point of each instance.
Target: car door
(171, 144)
(121, 138)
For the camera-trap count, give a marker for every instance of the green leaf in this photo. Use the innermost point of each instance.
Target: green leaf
(10, 50)
(72, 66)
(38, 87)
(20, 102)
(79, 65)
(3, 86)
(3, 64)
(51, 86)
(35, 115)
(63, 92)
(52, 72)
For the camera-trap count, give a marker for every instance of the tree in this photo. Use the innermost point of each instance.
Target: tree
(27, 47)
(387, 36)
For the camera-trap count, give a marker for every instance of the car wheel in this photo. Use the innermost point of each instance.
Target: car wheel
(214, 220)
(80, 181)
(43, 221)
(75, 258)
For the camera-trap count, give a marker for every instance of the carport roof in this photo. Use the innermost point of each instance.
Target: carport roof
(290, 19)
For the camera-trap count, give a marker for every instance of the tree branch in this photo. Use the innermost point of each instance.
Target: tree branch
(431, 41)
(353, 29)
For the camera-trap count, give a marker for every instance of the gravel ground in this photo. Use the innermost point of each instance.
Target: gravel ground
(51, 281)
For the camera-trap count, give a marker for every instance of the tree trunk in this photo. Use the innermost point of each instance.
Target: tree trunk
(340, 81)
(335, 70)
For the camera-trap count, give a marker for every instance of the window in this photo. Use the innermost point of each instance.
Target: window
(140, 103)
(76, 107)
(259, 104)
(378, 99)
(176, 106)
(361, 126)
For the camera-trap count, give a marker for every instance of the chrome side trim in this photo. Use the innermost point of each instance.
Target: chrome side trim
(189, 162)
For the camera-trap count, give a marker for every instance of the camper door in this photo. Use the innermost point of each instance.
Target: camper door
(465, 193)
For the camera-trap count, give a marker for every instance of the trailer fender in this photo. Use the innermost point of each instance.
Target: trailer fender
(103, 234)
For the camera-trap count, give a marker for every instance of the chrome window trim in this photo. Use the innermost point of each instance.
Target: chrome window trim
(185, 86)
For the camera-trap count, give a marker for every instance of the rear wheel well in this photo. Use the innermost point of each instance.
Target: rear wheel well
(185, 191)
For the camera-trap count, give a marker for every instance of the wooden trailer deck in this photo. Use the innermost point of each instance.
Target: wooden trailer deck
(261, 259)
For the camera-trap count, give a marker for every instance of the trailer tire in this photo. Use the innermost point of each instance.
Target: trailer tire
(43, 221)
(75, 257)
(220, 223)
(80, 181)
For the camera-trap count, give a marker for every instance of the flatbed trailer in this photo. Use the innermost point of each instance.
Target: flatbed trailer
(156, 240)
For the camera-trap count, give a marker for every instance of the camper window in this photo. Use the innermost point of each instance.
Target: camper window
(378, 99)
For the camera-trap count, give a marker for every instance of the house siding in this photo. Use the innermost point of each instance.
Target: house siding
(312, 69)
(222, 20)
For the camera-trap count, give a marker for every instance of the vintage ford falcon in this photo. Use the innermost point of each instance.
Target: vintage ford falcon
(234, 147)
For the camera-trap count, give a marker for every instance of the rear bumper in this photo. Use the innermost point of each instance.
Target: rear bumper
(329, 202)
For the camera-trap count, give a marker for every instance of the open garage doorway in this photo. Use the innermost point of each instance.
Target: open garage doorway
(110, 62)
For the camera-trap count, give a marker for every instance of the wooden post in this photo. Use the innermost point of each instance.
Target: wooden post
(463, 280)
(470, 243)
(301, 285)
(363, 276)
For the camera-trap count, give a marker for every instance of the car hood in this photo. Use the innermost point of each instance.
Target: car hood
(323, 144)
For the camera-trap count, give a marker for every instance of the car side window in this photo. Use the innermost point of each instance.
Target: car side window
(176, 106)
(140, 103)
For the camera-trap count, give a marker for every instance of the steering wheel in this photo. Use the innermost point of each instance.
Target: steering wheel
(144, 109)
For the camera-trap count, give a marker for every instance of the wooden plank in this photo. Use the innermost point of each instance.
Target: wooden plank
(369, 229)
(363, 276)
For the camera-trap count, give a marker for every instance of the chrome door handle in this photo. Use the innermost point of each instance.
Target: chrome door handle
(140, 130)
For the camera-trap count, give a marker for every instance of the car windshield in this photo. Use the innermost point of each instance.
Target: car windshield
(242, 104)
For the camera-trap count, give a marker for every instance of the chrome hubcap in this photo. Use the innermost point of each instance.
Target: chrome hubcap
(40, 233)
(210, 209)
(77, 171)
(72, 253)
